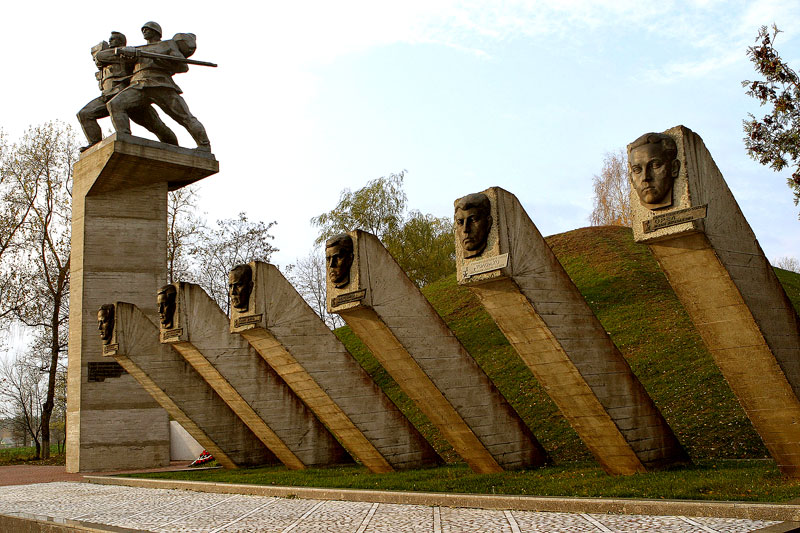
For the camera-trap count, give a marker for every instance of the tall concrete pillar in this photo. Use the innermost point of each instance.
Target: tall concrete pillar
(505, 261)
(119, 226)
(412, 342)
(714, 263)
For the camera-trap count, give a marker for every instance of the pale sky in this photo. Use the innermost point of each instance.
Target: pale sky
(313, 97)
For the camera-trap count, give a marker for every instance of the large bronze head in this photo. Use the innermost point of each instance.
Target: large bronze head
(240, 284)
(653, 167)
(166, 305)
(339, 259)
(473, 219)
(105, 322)
(117, 39)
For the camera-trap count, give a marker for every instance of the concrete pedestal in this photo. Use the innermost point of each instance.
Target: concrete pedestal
(119, 226)
(247, 383)
(403, 331)
(290, 336)
(719, 272)
(182, 392)
(534, 302)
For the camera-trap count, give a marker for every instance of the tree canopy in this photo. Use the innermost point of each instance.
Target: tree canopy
(774, 140)
(422, 244)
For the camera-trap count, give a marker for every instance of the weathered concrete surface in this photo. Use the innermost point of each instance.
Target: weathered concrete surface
(416, 347)
(247, 383)
(298, 345)
(119, 221)
(182, 392)
(550, 325)
(719, 272)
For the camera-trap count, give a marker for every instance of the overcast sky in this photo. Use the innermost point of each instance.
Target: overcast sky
(313, 97)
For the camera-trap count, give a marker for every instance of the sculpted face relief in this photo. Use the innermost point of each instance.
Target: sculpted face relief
(339, 259)
(105, 322)
(653, 168)
(240, 283)
(166, 305)
(473, 220)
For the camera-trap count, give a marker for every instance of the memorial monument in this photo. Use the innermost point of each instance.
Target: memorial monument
(407, 336)
(182, 391)
(119, 217)
(684, 211)
(505, 261)
(200, 333)
(270, 314)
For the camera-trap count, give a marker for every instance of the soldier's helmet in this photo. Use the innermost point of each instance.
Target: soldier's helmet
(155, 26)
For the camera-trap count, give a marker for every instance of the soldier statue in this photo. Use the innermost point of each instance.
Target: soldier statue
(114, 74)
(154, 64)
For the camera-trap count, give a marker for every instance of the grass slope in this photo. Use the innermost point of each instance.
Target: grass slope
(626, 289)
(630, 295)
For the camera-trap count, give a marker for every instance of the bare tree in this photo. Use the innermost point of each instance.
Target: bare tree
(612, 203)
(308, 276)
(34, 266)
(234, 241)
(22, 392)
(184, 229)
(787, 263)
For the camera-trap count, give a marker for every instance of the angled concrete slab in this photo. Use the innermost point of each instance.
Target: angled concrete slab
(295, 341)
(412, 342)
(522, 285)
(119, 227)
(181, 391)
(713, 261)
(246, 382)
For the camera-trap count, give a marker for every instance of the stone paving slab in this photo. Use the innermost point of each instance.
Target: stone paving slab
(171, 510)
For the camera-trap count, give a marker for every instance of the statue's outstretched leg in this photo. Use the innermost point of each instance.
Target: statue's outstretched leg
(88, 116)
(175, 106)
(148, 118)
(121, 104)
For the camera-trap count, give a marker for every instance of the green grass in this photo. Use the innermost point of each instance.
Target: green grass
(630, 295)
(743, 480)
(19, 456)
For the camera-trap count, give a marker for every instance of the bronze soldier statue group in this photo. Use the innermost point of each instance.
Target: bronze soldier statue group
(133, 78)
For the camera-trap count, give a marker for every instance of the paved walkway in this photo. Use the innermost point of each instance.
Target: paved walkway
(168, 510)
(26, 474)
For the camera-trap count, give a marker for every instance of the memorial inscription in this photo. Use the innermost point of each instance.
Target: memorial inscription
(488, 264)
(348, 297)
(674, 218)
(247, 320)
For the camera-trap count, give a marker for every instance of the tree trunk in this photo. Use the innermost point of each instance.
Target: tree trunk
(55, 349)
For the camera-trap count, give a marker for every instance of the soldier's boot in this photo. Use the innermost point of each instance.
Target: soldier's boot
(198, 133)
(91, 129)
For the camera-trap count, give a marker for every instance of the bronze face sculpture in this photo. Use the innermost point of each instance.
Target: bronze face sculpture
(167, 295)
(339, 259)
(240, 284)
(653, 167)
(105, 322)
(473, 221)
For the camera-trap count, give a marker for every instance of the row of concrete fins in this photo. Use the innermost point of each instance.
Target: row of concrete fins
(274, 384)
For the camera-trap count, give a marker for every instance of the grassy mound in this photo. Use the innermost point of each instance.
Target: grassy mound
(630, 295)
